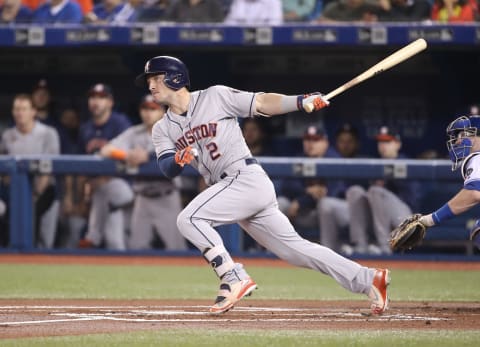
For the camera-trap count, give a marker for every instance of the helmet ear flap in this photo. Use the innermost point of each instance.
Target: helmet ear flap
(174, 81)
(176, 73)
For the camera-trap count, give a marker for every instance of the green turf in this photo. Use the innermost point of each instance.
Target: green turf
(261, 338)
(180, 282)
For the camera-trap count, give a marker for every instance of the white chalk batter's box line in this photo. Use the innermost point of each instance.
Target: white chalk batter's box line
(262, 314)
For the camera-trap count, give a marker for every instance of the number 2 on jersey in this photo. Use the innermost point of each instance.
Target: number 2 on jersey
(213, 150)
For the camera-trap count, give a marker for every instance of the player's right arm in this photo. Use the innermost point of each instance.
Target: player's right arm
(271, 104)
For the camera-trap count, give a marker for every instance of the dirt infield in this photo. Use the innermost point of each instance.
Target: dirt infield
(35, 318)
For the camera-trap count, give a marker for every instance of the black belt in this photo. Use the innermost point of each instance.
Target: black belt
(248, 161)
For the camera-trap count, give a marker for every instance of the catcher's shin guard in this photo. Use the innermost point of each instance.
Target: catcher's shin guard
(379, 291)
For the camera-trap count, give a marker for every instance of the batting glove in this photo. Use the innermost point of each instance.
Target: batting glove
(311, 102)
(185, 156)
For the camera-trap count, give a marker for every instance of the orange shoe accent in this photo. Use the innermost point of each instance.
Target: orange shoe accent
(229, 295)
(379, 291)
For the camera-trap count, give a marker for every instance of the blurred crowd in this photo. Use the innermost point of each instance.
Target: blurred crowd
(236, 12)
(349, 216)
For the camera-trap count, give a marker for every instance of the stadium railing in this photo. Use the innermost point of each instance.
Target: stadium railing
(154, 34)
(22, 168)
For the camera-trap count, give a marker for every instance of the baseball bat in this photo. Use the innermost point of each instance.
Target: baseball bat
(393, 59)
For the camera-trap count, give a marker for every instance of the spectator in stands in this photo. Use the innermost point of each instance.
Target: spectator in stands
(383, 205)
(104, 11)
(301, 10)
(157, 200)
(32, 4)
(454, 11)
(12, 11)
(404, 10)
(305, 201)
(255, 12)
(109, 196)
(86, 6)
(350, 11)
(29, 136)
(58, 11)
(129, 12)
(42, 100)
(153, 11)
(195, 11)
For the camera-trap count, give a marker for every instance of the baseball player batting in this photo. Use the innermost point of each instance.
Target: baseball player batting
(201, 129)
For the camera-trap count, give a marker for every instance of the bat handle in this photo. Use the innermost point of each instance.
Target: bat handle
(308, 107)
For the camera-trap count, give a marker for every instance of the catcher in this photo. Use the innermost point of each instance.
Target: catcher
(463, 146)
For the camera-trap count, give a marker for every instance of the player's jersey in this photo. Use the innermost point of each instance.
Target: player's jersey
(210, 126)
(43, 139)
(139, 136)
(93, 137)
(471, 171)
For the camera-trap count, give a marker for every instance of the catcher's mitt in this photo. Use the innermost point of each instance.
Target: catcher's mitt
(408, 234)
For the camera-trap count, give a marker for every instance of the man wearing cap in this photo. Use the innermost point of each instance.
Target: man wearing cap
(109, 196)
(384, 204)
(306, 201)
(157, 200)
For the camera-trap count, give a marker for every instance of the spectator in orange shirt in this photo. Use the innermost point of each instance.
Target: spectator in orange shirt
(453, 11)
(85, 5)
(32, 4)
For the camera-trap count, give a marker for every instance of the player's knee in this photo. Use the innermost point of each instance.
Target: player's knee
(375, 191)
(326, 206)
(184, 222)
(354, 192)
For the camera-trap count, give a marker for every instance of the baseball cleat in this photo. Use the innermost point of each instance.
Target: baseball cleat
(379, 291)
(230, 294)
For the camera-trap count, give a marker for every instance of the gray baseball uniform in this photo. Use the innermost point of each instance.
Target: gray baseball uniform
(157, 201)
(43, 139)
(240, 191)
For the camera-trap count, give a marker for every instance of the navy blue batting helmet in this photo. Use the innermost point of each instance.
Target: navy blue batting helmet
(175, 71)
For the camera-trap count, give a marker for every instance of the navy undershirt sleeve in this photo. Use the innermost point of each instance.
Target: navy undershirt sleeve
(168, 166)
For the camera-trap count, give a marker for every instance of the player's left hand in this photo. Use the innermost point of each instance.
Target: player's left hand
(185, 156)
(316, 99)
